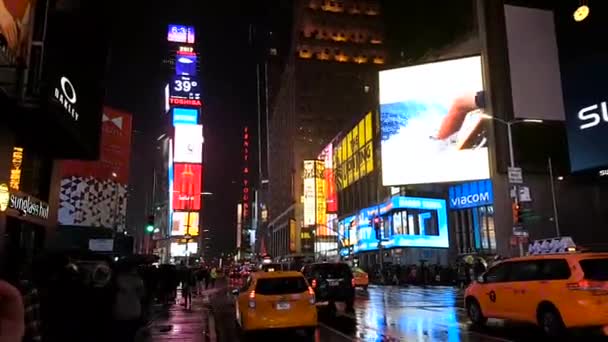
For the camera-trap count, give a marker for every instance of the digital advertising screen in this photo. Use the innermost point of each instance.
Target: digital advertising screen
(432, 130)
(188, 144)
(406, 222)
(187, 185)
(184, 222)
(185, 116)
(345, 227)
(331, 195)
(354, 154)
(181, 34)
(180, 249)
(309, 193)
(185, 87)
(185, 65)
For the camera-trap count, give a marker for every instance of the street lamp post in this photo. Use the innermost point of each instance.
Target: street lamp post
(509, 124)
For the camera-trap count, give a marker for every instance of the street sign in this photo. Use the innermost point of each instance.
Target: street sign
(515, 175)
(520, 231)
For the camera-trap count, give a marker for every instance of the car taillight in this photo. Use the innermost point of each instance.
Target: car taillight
(586, 285)
(313, 283)
(352, 282)
(311, 293)
(252, 300)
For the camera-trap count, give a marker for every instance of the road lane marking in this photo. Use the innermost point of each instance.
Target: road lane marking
(338, 332)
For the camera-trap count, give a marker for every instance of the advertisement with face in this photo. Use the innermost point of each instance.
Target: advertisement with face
(188, 144)
(187, 185)
(344, 228)
(15, 28)
(432, 130)
(331, 196)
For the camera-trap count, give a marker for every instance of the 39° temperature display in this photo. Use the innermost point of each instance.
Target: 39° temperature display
(185, 87)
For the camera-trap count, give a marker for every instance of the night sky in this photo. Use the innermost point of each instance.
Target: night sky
(135, 80)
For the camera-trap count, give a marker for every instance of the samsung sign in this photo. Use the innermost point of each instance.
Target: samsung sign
(472, 194)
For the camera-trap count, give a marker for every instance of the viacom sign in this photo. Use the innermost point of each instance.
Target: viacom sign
(472, 194)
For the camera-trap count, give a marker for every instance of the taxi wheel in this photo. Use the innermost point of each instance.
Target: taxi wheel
(551, 322)
(474, 312)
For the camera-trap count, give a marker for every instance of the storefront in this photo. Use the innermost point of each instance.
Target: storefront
(472, 217)
(26, 224)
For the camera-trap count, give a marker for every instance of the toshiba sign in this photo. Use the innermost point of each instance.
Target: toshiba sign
(185, 102)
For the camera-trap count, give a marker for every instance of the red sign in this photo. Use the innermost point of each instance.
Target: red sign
(246, 195)
(187, 185)
(185, 102)
(331, 195)
(115, 151)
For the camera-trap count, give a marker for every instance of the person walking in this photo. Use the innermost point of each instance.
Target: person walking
(188, 286)
(213, 276)
(127, 303)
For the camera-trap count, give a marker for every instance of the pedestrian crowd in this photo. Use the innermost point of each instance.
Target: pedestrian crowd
(60, 299)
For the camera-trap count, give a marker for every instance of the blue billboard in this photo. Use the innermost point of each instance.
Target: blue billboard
(180, 34)
(406, 222)
(185, 65)
(185, 116)
(472, 194)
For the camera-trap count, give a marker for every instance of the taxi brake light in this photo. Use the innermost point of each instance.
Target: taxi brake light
(352, 282)
(311, 299)
(252, 299)
(314, 283)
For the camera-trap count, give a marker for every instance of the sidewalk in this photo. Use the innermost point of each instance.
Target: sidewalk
(179, 324)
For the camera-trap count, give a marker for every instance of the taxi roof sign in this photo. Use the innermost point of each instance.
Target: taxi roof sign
(563, 244)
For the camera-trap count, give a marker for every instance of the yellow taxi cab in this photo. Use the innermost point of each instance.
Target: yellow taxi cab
(276, 300)
(361, 278)
(556, 286)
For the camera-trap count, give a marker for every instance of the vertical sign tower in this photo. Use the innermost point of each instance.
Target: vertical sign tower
(184, 105)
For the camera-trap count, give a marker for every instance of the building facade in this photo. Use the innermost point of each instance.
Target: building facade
(329, 79)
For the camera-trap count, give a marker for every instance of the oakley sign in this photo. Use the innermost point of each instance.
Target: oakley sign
(66, 95)
(591, 117)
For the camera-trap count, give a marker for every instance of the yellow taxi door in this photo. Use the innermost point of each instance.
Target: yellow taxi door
(522, 289)
(242, 300)
(492, 292)
(537, 281)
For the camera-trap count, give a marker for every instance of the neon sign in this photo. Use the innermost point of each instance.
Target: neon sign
(245, 195)
(17, 160)
(185, 102)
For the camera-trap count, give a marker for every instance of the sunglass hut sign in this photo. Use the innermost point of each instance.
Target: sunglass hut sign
(65, 94)
(29, 206)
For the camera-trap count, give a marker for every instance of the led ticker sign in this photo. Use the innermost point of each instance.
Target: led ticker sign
(185, 116)
(187, 179)
(354, 155)
(181, 34)
(246, 196)
(16, 162)
(185, 87)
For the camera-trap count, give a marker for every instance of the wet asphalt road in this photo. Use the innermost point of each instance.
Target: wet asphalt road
(387, 314)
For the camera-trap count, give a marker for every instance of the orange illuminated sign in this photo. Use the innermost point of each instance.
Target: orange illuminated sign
(17, 160)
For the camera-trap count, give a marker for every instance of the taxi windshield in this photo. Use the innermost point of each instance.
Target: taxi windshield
(595, 269)
(280, 286)
(358, 270)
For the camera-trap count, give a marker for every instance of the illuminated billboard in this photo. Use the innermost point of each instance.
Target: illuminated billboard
(188, 144)
(406, 222)
(180, 34)
(185, 64)
(347, 227)
(187, 185)
(180, 249)
(331, 195)
(309, 196)
(354, 154)
(185, 116)
(185, 87)
(184, 222)
(320, 193)
(432, 130)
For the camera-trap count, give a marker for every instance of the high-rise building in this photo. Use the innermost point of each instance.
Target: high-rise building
(329, 80)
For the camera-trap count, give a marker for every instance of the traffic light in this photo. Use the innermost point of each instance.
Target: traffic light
(150, 225)
(515, 213)
(378, 228)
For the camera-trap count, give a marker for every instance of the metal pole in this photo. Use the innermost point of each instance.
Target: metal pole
(512, 164)
(554, 199)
